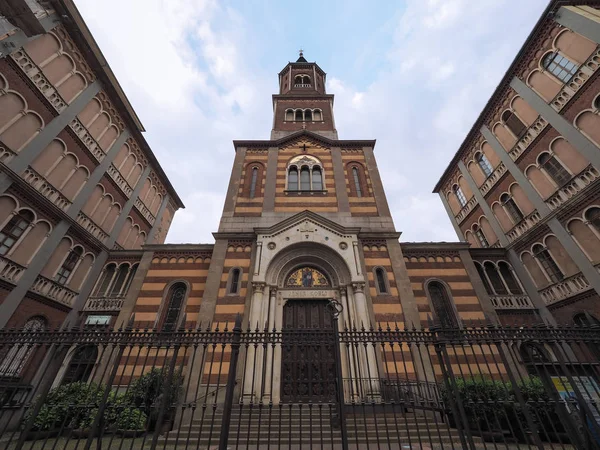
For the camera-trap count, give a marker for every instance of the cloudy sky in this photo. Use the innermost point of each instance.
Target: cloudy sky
(413, 74)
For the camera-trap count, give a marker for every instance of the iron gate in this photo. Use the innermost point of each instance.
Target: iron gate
(479, 387)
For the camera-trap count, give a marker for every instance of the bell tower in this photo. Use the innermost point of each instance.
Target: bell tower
(302, 102)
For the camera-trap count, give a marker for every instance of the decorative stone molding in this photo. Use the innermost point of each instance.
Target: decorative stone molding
(511, 302)
(86, 138)
(144, 211)
(40, 184)
(358, 288)
(533, 131)
(578, 184)
(258, 287)
(121, 182)
(74, 52)
(89, 225)
(10, 271)
(54, 291)
(104, 304)
(6, 154)
(523, 226)
(566, 288)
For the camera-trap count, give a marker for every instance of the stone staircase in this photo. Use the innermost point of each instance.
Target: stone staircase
(305, 426)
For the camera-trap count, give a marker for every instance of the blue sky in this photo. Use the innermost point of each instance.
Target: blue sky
(413, 74)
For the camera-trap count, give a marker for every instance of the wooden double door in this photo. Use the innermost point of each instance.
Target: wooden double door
(308, 365)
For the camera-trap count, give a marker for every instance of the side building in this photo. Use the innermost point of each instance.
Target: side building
(524, 185)
(80, 189)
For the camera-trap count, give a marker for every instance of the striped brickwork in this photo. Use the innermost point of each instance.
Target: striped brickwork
(297, 202)
(365, 204)
(245, 205)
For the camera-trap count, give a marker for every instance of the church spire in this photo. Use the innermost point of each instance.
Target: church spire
(301, 58)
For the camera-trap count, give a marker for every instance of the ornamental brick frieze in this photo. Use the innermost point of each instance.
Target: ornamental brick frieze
(33, 90)
(69, 45)
(181, 257)
(156, 182)
(241, 245)
(310, 144)
(374, 245)
(111, 110)
(139, 154)
(536, 50)
(257, 151)
(442, 257)
(352, 150)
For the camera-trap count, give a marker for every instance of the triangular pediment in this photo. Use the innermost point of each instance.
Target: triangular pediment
(305, 219)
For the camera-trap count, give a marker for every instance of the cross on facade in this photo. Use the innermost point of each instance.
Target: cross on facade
(304, 147)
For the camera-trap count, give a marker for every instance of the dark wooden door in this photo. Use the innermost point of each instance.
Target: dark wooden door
(308, 359)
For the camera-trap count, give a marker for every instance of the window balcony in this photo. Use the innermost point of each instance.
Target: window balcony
(6, 154)
(104, 303)
(302, 85)
(523, 226)
(465, 210)
(511, 302)
(89, 226)
(144, 211)
(585, 71)
(10, 271)
(565, 288)
(40, 184)
(116, 176)
(54, 291)
(577, 184)
(489, 183)
(528, 137)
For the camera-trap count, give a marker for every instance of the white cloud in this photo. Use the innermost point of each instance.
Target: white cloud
(185, 69)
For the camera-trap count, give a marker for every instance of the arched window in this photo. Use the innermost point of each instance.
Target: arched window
(513, 123)
(298, 79)
(234, 281)
(317, 115)
(478, 232)
(555, 169)
(14, 229)
(560, 66)
(317, 179)
(293, 179)
(507, 274)
(289, 115)
(308, 115)
(120, 279)
(381, 278)
(592, 215)
(175, 300)
(494, 277)
(442, 305)
(585, 319)
(484, 163)
(305, 178)
(597, 102)
(547, 262)
(253, 182)
(299, 117)
(81, 364)
(484, 279)
(130, 278)
(105, 280)
(13, 363)
(533, 353)
(356, 178)
(306, 79)
(511, 208)
(459, 195)
(68, 266)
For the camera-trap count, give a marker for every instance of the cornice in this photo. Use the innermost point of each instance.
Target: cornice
(177, 247)
(433, 246)
(379, 235)
(304, 133)
(302, 65)
(311, 216)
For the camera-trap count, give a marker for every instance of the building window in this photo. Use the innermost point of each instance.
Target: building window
(301, 81)
(513, 123)
(548, 264)
(356, 178)
(317, 179)
(175, 302)
(560, 66)
(509, 279)
(14, 229)
(105, 280)
(234, 281)
(289, 115)
(554, 168)
(592, 215)
(597, 102)
(305, 178)
(13, 363)
(585, 319)
(122, 273)
(299, 117)
(253, 182)
(381, 278)
(484, 163)
(68, 266)
(442, 305)
(511, 208)
(484, 279)
(308, 115)
(459, 195)
(533, 353)
(317, 115)
(293, 179)
(480, 236)
(81, 364)
(492, 273)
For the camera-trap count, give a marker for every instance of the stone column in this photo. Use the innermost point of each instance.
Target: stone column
(252, 377)
(271, 364)
(579, 20)
(367, 361)
(349, 363)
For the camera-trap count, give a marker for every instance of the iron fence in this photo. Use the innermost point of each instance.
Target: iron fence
(224, 387)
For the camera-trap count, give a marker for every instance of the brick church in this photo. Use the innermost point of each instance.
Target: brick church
(85, 206)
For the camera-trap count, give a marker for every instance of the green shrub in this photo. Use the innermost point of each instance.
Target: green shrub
(132, 419)
(148, 391)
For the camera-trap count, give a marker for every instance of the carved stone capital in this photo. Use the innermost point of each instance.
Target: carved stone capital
(258, 287)
(343, 290)
(358, 288)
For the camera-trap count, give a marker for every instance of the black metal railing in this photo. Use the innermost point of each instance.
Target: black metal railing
(224, 387)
